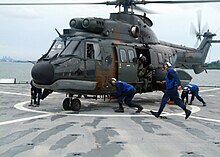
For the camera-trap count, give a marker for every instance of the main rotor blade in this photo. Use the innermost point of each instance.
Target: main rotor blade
(53, 3)
(117, 2)
(114, 2)
(177, 2)
(144, 10)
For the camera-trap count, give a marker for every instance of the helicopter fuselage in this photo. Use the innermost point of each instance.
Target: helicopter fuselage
(82, 60)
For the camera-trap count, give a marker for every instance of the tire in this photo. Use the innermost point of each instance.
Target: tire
(75, 105)
(66, 104)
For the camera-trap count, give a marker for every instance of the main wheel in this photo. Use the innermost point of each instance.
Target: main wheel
(75, 104)
(66, 104)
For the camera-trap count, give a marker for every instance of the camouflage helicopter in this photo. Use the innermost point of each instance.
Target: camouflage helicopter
(85, 56)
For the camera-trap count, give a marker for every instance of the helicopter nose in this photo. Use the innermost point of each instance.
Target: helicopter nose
(42, 73)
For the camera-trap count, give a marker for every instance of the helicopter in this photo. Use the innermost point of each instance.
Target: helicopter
(83, 58)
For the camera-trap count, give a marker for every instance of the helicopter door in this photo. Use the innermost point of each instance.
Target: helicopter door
(127, 68)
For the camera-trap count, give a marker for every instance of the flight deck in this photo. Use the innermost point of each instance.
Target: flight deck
(97, 131)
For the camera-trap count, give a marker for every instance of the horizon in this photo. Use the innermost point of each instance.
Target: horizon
(11, 59)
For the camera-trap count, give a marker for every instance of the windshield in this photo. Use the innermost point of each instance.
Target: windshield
(70, 49)
(56, 48)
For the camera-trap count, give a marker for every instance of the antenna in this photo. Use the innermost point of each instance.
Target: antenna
(58, 33)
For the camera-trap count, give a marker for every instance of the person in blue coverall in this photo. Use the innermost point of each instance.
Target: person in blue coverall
(194, 90)
(124, 92)
(172, 85)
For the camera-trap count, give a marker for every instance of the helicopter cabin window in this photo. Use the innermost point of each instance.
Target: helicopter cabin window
(131, 55)
(160, 58)
(170, 59)
(123, 55)
(90, 51)
(97, 51)
(93, 51)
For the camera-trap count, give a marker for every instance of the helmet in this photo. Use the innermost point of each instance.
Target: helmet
(167, 64)
(143, 59)
(112, 81)
(186, 90)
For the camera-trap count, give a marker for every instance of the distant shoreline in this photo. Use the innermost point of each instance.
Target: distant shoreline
(18, 61)
(213, 65)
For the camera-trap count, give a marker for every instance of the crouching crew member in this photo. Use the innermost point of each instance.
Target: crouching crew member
(124, 92)
(194, 90)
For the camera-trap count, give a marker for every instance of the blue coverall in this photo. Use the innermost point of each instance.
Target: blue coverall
(194, 90)
(172, 83)
(125, 92)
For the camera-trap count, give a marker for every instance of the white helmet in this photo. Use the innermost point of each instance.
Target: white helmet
(167, 64)
(112, 80)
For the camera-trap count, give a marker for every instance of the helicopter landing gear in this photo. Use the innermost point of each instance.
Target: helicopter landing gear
(75, 104)
(71, 104)
(66, 104)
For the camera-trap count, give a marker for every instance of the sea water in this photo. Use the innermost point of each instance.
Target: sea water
(14, 70)
(22, 73)
(211, 78)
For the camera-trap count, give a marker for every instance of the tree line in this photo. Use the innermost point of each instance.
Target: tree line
(214, 65)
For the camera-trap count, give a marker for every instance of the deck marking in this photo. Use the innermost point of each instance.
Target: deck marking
(12, 93)
(24, 119)
(208, 90)
(20, 106)
(194, 109)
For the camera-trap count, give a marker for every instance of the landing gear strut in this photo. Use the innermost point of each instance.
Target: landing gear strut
(71, 104)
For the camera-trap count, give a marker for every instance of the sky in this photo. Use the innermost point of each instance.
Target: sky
(26, 32)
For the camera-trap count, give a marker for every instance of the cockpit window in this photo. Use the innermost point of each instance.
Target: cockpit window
(56, 48)
(70, 49)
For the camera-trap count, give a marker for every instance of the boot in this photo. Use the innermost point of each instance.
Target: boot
(119, 110)
(188, 112)
(156, 114)
(140, 108)
(204, 104)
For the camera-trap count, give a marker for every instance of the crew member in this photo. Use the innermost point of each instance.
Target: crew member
(124, 92)
(172, 85)
(144, 73)
(194, 90)
(35, 94)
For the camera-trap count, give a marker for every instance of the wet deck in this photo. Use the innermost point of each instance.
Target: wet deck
(98, 131)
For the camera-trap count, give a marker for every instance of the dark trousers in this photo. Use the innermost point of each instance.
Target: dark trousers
(195, 93)
(127, 98)
(171, 94)
(36, 95)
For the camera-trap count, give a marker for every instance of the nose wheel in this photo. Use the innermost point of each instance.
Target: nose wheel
(71, 104)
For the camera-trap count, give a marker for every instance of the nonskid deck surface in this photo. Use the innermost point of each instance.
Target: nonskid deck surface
(97, 130)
